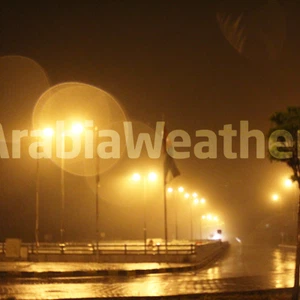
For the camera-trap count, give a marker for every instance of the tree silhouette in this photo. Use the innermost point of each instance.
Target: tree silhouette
(284, 146)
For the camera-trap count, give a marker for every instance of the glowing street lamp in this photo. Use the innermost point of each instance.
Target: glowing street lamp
(275, 197)
(180, 189)
(77, 128)
(48, 132)
(136, 177)
(288, 183)
(152, 176)
(211, 221)
(170, 190)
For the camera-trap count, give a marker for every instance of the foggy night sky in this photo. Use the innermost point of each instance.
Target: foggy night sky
(157, 58)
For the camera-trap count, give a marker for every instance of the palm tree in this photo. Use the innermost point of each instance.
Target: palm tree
(284, 146)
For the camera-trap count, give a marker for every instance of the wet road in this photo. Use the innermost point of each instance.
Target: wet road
(241, 269)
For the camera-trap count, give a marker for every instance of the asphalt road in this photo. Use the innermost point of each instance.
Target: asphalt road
(241, 269)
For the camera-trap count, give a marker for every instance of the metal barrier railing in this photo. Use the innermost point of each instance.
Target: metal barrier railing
(106, 248)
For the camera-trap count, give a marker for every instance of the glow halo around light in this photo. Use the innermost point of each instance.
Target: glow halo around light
(74, 102)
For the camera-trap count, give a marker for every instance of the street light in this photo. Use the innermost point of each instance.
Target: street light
(179, 190)
(288, 183)
(76, 129)
(97, 183)
(136, 177)
(210, 220)
(195, 201)
(151, 177)
(169, 190)
(275, 197)
(48, 132)
(45, 133)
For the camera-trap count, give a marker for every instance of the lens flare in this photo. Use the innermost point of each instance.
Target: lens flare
(81, 116)
(22, 82)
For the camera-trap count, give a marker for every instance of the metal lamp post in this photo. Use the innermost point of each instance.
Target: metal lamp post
(151, 177)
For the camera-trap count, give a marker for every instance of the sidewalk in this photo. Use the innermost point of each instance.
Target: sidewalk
(73, 269)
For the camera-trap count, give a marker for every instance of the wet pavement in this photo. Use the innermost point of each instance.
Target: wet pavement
(85, 267)
(72, 269)
(241, 269)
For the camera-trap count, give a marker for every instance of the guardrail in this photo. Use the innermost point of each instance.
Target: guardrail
(105, 248)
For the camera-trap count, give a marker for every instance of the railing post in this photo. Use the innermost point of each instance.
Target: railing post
(62, 250)
(125, 249)
(158, 248)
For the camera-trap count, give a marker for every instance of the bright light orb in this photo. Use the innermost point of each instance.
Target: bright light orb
(186, 195)
(48, 132)
(136, 177)
(202, 200)
(195, 195)
(77, 128)
(288, 183)
(152, 176)
(180, 189)
(275, 197)
(170, 190)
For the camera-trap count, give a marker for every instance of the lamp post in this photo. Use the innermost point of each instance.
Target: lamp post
(289, 184)
(276, 198)
(45, 133)
(180, 190)
(151, 177)
(97, 186)
(195, 202)
(176, 195)
(37, 204)
(202, 201)
(62, 190)
(76, 129)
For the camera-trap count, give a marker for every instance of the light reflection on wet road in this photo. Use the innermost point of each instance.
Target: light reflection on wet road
(242, 268)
